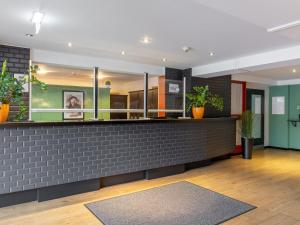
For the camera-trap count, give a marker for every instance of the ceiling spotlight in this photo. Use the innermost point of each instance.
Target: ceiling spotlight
(294, 70)
(186, 48)
(70, 44)
(164, 60)
(146, 40)
(29, 35)
(211, 54)
(123, 52)
(37, 19)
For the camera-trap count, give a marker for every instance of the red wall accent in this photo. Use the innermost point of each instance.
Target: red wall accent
(161, 95)
(238, 148)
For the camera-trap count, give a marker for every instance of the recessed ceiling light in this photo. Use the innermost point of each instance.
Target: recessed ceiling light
(70, 44)
(294, 70)
(42, 72)
(284, 26)
(29, 35)
(37, 19)
(211, 54)
(123, 52)
(146, 40)
(186, 48)
(164, 60)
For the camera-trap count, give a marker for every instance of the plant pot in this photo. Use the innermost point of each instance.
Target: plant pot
(4, 111)
(247, 146)
(198, 112)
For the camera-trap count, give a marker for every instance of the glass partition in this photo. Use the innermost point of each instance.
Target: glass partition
(69, 95)
(72, 95)
(121, 95)
(155, 96)
(165, 97)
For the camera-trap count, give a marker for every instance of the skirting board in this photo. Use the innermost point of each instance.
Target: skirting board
(195, 165)
(18, 198)
(164, 171)
(276, 147)
(63, 190)
(120, 179)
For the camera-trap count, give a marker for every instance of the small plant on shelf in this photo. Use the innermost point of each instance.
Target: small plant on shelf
(11, 92)
(199, 98)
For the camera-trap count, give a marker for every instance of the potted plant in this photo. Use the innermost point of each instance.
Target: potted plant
(247, 134)
(11, 92)
(200, 97)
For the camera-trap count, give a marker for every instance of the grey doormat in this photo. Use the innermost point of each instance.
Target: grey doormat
(181, 203)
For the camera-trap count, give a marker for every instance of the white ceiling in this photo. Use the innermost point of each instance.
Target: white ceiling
(277, 74)
(230, 28)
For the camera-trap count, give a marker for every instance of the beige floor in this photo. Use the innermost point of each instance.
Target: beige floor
(271, 181)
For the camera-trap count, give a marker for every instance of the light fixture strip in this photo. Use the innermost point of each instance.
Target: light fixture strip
(284, 26)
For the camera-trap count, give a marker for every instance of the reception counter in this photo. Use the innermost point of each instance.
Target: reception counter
(43, 160)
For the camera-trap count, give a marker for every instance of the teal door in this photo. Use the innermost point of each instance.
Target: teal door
(294, 129)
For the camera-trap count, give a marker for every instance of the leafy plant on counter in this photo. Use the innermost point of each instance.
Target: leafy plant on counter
(11, 88)
(202, 96)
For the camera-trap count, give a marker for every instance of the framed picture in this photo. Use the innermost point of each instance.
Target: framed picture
(73, 100)
(19, 77)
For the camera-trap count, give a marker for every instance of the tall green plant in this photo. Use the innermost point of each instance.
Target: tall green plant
(247, 124)
(202, 96)
(11, 89)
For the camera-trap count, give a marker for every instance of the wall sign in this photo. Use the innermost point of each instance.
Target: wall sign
(278, 105)
(174, 88)
(19, 77)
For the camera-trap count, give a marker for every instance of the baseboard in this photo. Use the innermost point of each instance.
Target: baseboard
(255, 147)
(63, 190)
(195, 165)
(164, 171)
(276, 147)
(18, 198)
(294, 149)
(119, 179)
(222, 157)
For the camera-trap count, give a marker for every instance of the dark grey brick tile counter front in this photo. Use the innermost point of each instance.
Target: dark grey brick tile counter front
(40, 155)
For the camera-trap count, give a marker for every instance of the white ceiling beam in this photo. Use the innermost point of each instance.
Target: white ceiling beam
(81, 61)
(266, 60)
(253, 79)
(288, 82)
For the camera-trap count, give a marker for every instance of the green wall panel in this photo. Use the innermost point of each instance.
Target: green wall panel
(279, 127)
(52, 98)
(104, 102)
(294, 132)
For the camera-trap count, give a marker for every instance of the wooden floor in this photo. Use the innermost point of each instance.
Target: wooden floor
(271, 181)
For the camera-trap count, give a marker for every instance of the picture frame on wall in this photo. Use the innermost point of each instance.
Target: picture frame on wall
(73, 100)
(20, 77)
